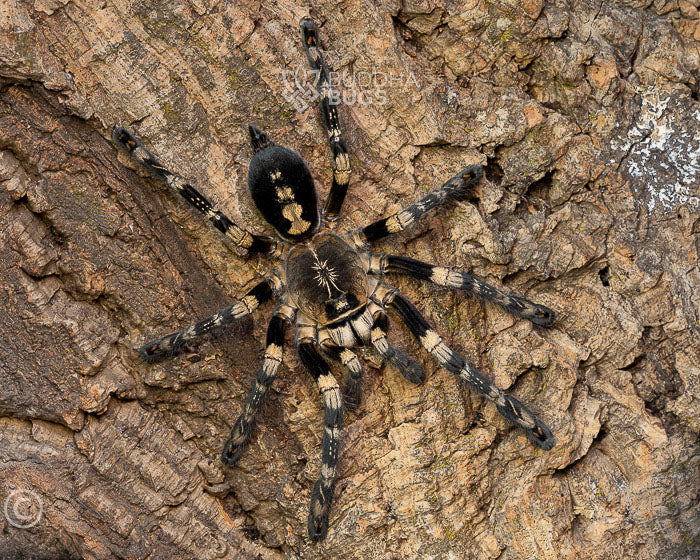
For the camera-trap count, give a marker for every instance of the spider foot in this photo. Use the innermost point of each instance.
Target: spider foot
(464, 181)
(542, 316)
(132, 145)
(521, 307)
(518, 306)
(236, 444)
(309, 32)
(125, 139)
(541, 435)
(161, 348)
(231, 454)
(320, 506)
(535, 430)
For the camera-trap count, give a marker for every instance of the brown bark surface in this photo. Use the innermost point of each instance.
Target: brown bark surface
(586, 115)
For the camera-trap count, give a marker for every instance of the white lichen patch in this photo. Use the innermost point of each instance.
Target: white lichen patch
(663, 146)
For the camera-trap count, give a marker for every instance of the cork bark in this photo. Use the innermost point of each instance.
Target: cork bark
(586, 116)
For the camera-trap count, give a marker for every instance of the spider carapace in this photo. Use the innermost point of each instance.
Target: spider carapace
(332, 288)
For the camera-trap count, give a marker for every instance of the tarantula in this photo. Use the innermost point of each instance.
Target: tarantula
(331, 287)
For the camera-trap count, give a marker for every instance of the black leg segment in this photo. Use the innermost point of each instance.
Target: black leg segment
(322, 495)
(171, 344)
(520, 307)
(341, 160)
(508, 406)
(243, 428)
(454, 189)
(244, 240)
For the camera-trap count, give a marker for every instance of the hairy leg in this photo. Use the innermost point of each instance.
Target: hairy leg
(341, 160)
(508, 406)
(457, 187)
(322, 495)
(245, 241)
(169, 345)
(521, 307)
(243, 428)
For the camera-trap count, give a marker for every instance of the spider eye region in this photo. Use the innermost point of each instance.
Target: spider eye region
(283, 191)
(325, 278)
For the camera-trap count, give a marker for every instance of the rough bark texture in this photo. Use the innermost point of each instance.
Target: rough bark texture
(587, 117)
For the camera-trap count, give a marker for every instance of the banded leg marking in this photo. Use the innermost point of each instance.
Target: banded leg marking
(243, 239)
(352, 391)
(322, 495)
(508, 406)
(520, 307)
(409, 368)
(341, 160)
(456, 188)
(243, 428)
(170, 344)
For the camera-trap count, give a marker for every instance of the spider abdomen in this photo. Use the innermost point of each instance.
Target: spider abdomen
(283, 190)
(326, 279)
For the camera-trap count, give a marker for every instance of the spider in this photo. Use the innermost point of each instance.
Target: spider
(331, 287)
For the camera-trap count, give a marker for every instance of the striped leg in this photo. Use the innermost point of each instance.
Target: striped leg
(456, 188)
(244, 240)
(170, 344)
(243, 428)
(510, 407)
(341, 161)
(322, 495)
(352, 391)
(521, 307)
(408, 367)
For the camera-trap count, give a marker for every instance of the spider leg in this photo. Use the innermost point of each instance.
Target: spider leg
(352, 391)
(243, 428)
(243, 239)
(521, 307)
(169, 345)
(322, 495)
(508, 406)
(409, 368)
(456, 188)
(341, 160)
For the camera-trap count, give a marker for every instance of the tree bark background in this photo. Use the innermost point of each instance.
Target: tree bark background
(587, 117)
